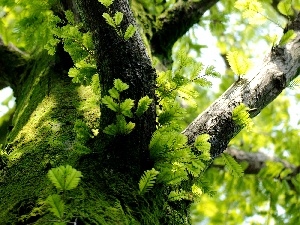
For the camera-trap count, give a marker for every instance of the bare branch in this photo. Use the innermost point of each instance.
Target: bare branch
(176, 22)
(255, 90)
(257, 160)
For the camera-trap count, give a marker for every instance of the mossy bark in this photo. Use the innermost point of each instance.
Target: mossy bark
(127, 60)
(43, 137)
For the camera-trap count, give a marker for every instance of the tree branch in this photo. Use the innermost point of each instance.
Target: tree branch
(175, 22)
(255, 90)
(257, 160)
(10, 72)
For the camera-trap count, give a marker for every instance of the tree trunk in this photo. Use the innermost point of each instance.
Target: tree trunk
(50, 107)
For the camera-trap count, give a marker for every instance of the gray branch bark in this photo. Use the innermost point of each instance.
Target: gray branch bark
(175, 22)
(255, 90)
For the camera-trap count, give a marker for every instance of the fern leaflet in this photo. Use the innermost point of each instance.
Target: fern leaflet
(234, 168)
(57, 206)
(147, 181)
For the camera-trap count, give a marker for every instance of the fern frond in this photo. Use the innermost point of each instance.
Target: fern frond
(178, 195)
(172, 173)
(64, 177)
(238, 62)
(143, 105)
(202, 144)
(129, 32)
(123, 126)
(120, 86)
(118, 17)
(241, 116)
(195, 167)
(110, 103)
(126, 106)
(147, 181)
(210, 71)
(106, 3)
(234, 168)
(57, 206)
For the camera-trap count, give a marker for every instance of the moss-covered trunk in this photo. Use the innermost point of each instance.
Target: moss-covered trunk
(44, 136)
(58, 122)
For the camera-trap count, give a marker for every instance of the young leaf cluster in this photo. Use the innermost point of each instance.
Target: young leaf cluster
(241, 116)
(179, 164)
(79, 45)
(64, 178)
(115, 21)
(251, 10)
(179, 84)
(123, 109)
(238, 62)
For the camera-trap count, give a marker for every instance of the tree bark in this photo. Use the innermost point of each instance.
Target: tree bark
(126, 60)
(175, 22)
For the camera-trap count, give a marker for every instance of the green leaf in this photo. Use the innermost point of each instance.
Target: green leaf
(57, 206)
(285, 7)
(287, 37)
(147, 181)
(234, 168)
(106, 3)
(110, 103)
(64, 177)
(238, 62)
(129, 127)
(118, 17)
(109, 20)
(210, 71)
(143, 105)
(129, 32)
(114, 93)
(126, 107)
(70, 16)
(111, 129)
(123, 127)
(202, 144)
(251, 10)
(120, 86)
